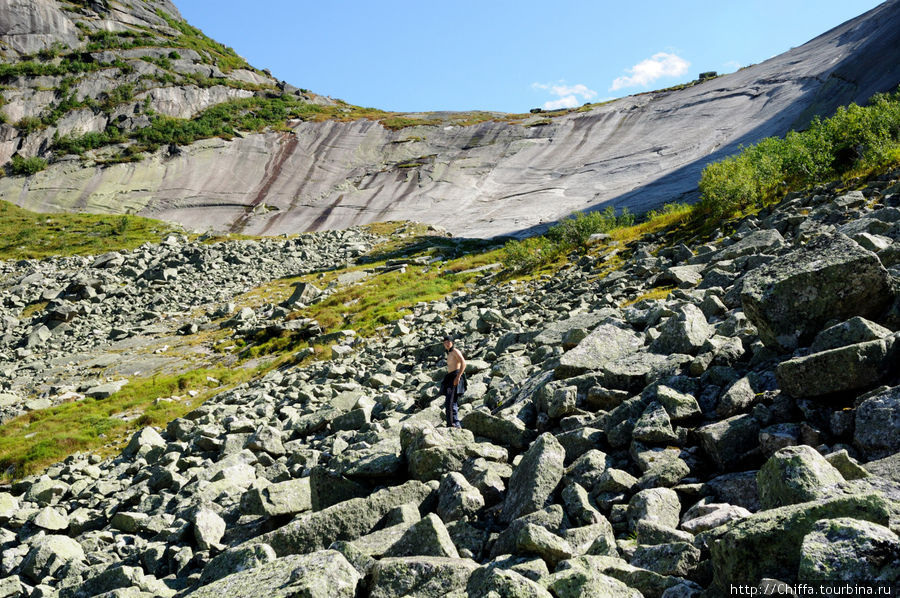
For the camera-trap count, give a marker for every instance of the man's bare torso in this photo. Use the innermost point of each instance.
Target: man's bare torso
(454, 358)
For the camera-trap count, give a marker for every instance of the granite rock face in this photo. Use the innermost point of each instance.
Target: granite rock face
(634, 473)
(528, 172)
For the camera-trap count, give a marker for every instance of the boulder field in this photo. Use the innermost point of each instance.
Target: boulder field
(740, 431)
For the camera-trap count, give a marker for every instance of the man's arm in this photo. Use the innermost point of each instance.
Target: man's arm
(461, 368)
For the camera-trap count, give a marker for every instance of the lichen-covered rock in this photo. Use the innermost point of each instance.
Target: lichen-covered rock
(647, 583)
(845, 369)
(577, 582)
(876, 424)
(678, 405)
(235, 560)
(832, 277)
(767, 544)
(322, 574)
(424, 577)
(729, 441)
(659, 505)
(845, 549)
(508, 431)
(684, 332)
(49, 554)
(427, 537)
(282, 498)
(654, 426)
(209, 528)
(344, 521)
(538, 540)
(535, 478)
(608, 343)
(457, 498)
(793, 475)
(676, 558)
(854, 331)
(490, 581)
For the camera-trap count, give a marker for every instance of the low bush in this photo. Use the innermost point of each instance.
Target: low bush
(26, 166)
(855, 141)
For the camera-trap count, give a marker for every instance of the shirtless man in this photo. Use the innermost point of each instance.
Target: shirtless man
(454, 383)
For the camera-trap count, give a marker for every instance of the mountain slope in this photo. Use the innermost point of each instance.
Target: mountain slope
(500, 176)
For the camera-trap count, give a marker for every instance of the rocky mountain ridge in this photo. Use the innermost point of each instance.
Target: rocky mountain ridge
(493, 178)
(657, 419)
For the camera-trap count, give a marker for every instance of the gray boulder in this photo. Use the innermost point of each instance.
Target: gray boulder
(845, 369)
(235, 560)
(283, 498)
(876, 424)
(50, 554)
(457, 498)
(608, 343)
(853, 331)
(657, 505)
(790, 298)
(685, 332)
(427, 537)
(535, 478)
(768, 543)
(793, 475)
(675, 558)
(510, 431)
(422, 576)
(729, 441)
(322, 574)
(845, 549)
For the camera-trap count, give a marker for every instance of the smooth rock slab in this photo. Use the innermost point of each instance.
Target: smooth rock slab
(323, 574)
(427, 537)
(791, 297)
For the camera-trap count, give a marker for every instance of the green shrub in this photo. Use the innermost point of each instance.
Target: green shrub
(857, 139)
(27, 166)
(529, 254)
(29, 124)
(574, 231)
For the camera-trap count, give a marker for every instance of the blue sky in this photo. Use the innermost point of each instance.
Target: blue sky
(505, 55)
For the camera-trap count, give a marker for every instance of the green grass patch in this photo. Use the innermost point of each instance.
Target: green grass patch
(25, 234)
(33, 441)
(193, 39)
(570, 234)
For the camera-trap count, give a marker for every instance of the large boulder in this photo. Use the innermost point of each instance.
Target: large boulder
(283, 498)
(684, 332)
(535, 478)
(729, 441)
(793, 475)
(347, 520)
(423, 576)
(426, 537)
(510, 431)
(845, 369)
(768, 543)
(608, 343)
(49, 554)
(845, 549)
(792, 297)
(323, 574)
(876, 424)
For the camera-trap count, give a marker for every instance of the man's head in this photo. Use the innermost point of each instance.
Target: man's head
(448, 342)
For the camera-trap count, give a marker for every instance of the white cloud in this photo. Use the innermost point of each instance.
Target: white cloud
(566, 102)
(661, 64)
(568, 95)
